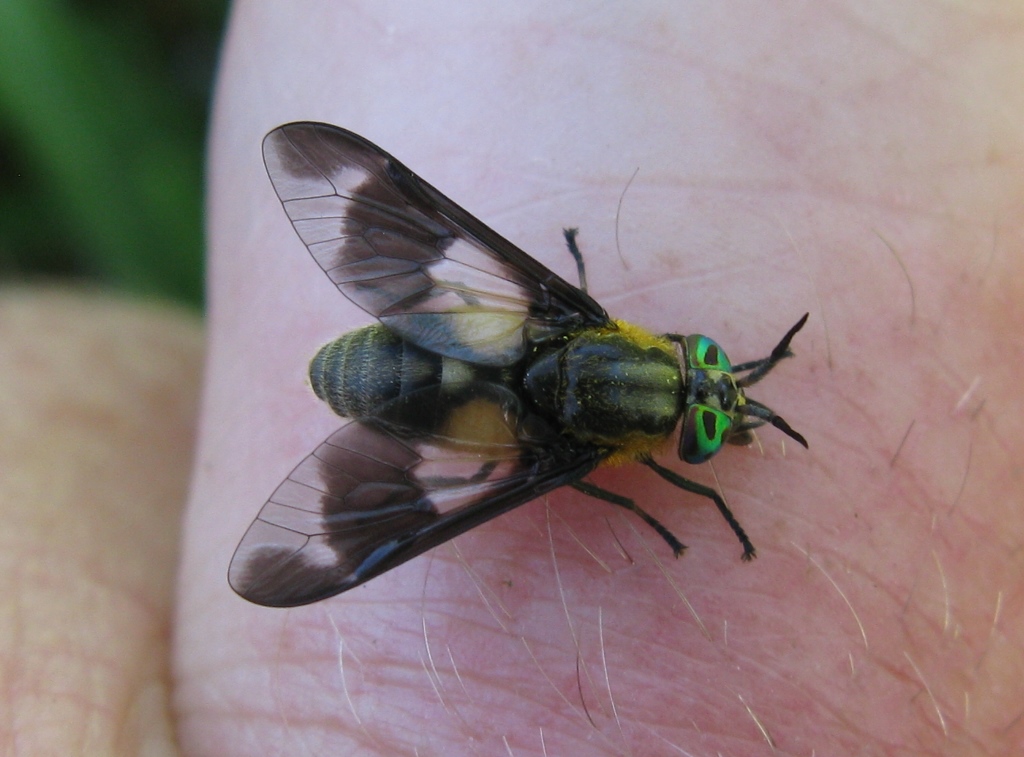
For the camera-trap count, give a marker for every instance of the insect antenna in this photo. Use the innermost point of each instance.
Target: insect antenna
(760, 368)
(766, 415)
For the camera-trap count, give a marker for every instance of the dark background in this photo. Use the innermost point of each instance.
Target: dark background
(103, 111)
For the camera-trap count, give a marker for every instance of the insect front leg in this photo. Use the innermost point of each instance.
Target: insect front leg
(749, 553)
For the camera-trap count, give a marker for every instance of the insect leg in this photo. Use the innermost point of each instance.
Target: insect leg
(692, 486)
(759, 368)
(570, 240)
(617, 499)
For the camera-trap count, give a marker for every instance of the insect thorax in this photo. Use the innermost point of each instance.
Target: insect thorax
(608, 388)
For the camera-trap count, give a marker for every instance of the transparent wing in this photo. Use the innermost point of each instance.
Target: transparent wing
(382, 490)
(411, 257)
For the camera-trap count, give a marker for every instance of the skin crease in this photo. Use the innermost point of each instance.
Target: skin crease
(862, 164)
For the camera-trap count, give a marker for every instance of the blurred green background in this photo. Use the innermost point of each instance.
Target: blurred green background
(103, 109)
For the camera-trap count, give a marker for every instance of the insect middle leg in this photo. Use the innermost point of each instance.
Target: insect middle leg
(574, 250)
(617, 499)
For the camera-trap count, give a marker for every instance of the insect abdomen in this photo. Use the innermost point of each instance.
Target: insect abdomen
(364, 368)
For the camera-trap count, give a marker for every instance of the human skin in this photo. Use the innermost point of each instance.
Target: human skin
(861, 164)
(877, 188)
(98, 403)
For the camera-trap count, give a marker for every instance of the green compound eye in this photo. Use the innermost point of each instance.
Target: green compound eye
(703, 353)
(704, 433)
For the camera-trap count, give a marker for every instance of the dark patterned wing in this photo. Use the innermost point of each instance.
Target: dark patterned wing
(382, 490)
(408, 255)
